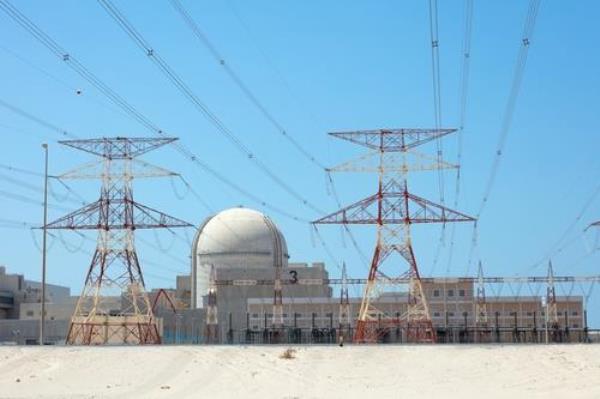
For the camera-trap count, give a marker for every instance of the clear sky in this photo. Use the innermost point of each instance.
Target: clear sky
(317, 67)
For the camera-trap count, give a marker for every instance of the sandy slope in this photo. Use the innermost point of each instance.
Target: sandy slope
(564, 371)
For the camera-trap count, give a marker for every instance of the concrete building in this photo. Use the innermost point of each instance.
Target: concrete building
(20, 309)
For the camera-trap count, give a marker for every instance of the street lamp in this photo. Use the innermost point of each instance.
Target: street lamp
(44, 230)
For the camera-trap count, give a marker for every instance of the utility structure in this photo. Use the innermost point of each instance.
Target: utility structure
(393, 209)
(481, 314)
(212, 320)
(115, 271)
(277, 318)
(345, 314)
(552, 323)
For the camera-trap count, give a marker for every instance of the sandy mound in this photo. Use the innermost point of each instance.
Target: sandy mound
(560, 371)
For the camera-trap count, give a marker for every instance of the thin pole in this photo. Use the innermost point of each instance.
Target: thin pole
(43, 313)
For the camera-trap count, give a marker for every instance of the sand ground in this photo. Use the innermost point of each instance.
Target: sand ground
(555, 371)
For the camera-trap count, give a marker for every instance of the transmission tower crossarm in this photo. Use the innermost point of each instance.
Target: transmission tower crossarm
(421, 210)
(96, 170)
(108, 213)
(118, 147)
(394, 163)
(390, 140)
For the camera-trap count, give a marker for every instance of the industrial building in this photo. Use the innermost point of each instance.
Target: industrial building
(20, 309)
(243, 247)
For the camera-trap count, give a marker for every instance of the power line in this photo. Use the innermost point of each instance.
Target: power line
(180, 84)
(131, 111)
(275, 70)
(437, 107)
(234, 76)
(29, 200)
(509, 111)
(519, 71)
(35, 119)
(56, 79)
(560, 245)
(218, 57)
(436, 80)
(463, 94)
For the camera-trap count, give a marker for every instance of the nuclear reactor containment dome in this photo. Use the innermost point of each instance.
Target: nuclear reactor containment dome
(235, 238)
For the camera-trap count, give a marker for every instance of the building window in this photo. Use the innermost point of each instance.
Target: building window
(574, 313)
(255, 327)
(436, 314)
(529, 314)
(461, 292)
(560, 313)
(30, 313)
(450, 292)
(255, 315)
(285, 315)
(436, 293)
(451, 314)
(575, 325)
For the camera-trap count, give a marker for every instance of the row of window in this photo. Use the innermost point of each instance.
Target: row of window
(450, 293)
(509, 313)
(435, 314)
(299, 315)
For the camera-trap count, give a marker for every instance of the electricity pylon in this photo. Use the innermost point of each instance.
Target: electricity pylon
(481, 313)
(551, 306)
(115, 274)
(212, 320)
(393, 209)
(344, 315)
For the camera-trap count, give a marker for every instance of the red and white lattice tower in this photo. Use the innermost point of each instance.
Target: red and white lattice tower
(393, 209)
(551, 305)
(481, 313)
(345, 313)
(212, 319)
(114, 307)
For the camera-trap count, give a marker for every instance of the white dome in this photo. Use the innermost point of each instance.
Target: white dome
(236, 237)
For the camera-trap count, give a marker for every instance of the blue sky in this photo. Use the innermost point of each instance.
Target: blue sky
(318, 67)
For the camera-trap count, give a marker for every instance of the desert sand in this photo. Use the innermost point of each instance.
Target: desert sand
(555, 371)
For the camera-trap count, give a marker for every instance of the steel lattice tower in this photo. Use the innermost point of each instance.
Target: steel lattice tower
(212, 320)
(551, 306)
(393, 209)
(345, 313)
(115, 270)
(481, 313)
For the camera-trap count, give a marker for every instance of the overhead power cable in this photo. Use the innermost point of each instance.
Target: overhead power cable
(509, 111)
(235, 77)
(463, 95)
(437, 107)
(29, 200)
(437, 95)
(58, 80)
(187, 92)
(15, 224)
(35, 119)
(561, 244)
(131, 111)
